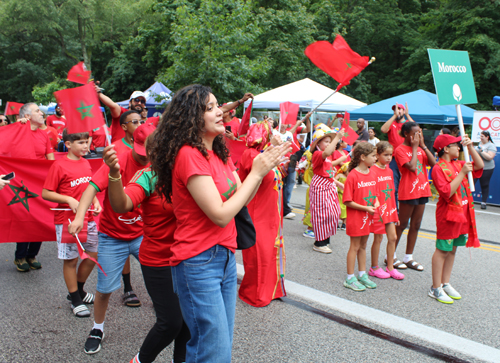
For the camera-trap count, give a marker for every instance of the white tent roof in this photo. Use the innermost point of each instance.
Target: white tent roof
(308, 94)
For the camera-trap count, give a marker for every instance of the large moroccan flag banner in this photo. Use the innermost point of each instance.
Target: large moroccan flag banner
(81, 107)
(16, 140)
(24, 215)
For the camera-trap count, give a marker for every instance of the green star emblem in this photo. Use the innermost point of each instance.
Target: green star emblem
(463, 192)
(387, 191)
(370, 199)
(349, 65)
(85, 110)
(17, 198)
(419, 167)
(331, 173)
(232, 188)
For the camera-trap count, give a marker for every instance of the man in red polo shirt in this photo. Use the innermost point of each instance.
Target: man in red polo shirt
(392, 128)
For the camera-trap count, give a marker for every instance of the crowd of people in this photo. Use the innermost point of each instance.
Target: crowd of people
(174, 193)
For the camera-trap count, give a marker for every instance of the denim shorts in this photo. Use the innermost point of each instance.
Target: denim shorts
(112, 254)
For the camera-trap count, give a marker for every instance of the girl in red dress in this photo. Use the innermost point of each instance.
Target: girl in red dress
(264, 263)
(387, 217)
(361, 200)
(412, 157)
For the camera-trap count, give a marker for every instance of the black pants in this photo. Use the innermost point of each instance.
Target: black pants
(27, 249)
(484, 181)
(169, 323)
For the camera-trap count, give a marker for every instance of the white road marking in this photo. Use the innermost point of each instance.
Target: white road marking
(477, 211)
(393, 322)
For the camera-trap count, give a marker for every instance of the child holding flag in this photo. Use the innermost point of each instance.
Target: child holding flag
(455, 216)
(66, 181)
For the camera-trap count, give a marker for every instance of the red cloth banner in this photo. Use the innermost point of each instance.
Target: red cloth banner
(288, 113)
(350, 135)
(17, 140)
(81, 107)
(12, 108)
(24, 215)
(236, 149)
(245, 122)
(79, 74)
(337, 60)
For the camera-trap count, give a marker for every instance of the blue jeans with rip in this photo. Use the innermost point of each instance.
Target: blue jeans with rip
(206, 286)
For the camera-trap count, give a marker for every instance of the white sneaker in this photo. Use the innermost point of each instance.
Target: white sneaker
(440, 295)
(451, 292)
(290, 215)
(322, 249)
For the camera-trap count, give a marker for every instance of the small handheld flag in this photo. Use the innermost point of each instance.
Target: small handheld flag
(12, 108)
(79, 74)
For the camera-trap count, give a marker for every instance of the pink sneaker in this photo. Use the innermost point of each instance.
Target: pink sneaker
(395, 274)
(381, 274)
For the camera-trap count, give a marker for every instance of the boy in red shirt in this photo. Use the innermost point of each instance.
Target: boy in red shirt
(129, 122)
(455, 216)
(66, 181)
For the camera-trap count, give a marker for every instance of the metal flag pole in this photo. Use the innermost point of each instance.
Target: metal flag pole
(466, 150)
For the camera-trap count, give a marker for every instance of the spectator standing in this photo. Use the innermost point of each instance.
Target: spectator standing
(57, 121)
(487, 151)
(4, 121)
(372, 136)
(361, 131)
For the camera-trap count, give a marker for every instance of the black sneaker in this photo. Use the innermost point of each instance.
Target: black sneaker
(93, 343)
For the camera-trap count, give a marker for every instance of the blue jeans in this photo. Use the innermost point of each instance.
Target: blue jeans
(397, 177)
(206, 286)
(288, 184)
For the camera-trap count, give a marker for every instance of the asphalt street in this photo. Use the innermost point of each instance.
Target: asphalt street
(37, 323)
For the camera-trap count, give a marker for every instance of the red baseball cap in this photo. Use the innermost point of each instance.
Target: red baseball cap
(399, 106)
(445, 140)
(339, 115)
(140, 135)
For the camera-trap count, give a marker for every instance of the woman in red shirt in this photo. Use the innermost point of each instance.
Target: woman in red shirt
(412, 157)
(195, 173)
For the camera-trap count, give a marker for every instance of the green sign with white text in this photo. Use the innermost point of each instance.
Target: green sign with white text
(452, 77)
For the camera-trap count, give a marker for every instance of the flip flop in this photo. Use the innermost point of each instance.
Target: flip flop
(414, 265)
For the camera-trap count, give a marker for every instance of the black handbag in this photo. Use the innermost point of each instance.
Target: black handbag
(245, 229)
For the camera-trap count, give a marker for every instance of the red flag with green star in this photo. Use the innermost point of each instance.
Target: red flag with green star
(337, 60)
(24, 215)
(288, 113)
(12, 108)
(350, 135)
(79, 74)
(81, 107)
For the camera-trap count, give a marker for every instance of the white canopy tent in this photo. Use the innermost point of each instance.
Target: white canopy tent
(308, 94)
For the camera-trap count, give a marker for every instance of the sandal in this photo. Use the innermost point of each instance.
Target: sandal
(81, 311)
(414, 265)
(88, 299)
(130, 299)
(399, 265)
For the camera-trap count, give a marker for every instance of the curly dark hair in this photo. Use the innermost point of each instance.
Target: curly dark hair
(406, 128)
(363, 148)
(181, 124)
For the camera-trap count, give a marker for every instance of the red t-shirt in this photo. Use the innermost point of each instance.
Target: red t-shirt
(362, 189)
(127, 226)
(122, 146)
(53, 135)
(41, 144)
(98, 138)
(235, 125)
(116, 130)
(338, 153)
(68, 177)
(158, 217)
(413, 185)
(445, 228)
(395, 139)
(385, 194)
(195, 232)
(59, 123)
(322, 167)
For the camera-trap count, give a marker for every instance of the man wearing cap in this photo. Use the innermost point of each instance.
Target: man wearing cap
(392, 128)
(57, 121)
(120, 234)
(136, 102)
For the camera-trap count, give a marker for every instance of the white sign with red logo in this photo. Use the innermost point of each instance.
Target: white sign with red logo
(486, 121)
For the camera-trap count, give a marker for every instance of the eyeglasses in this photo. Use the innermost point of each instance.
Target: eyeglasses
(136, 122)
(140, 100)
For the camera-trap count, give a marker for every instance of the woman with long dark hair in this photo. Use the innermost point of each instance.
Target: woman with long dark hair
(487, 151)
(194, 171)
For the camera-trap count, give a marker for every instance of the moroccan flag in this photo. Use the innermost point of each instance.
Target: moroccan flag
(12, 108)
(289, 112)
(350, 135)
(245, 122)
(337, 60)
(17, 141)
(236, 149)
(81, 107)
(24, 215)
(79, 74)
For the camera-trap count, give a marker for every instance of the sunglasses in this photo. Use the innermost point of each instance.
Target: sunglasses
(140, 100)
(136, 122)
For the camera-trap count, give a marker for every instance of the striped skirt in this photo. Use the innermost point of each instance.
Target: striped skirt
(325, 208)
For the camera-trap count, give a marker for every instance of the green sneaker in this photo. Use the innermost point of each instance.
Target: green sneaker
(367, 282)
(354, 284)
(22, 265)
(34, 264)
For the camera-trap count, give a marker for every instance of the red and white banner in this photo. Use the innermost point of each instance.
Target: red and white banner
(486, 121)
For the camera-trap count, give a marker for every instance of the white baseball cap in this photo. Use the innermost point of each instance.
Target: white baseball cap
(136, 94)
